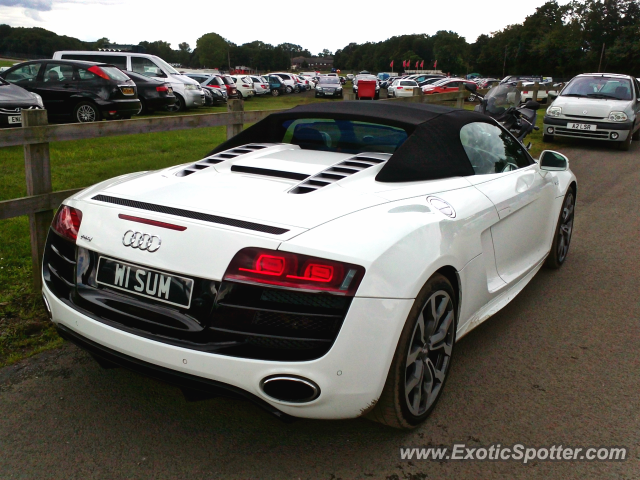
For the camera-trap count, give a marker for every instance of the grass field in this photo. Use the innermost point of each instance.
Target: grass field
(24, 329)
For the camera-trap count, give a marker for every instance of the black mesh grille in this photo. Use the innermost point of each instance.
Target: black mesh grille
(300, 323)
(295, 298)
(205, 217)
(282, 343)
(59, 264)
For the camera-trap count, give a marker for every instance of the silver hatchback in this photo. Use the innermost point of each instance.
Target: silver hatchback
(600, 106)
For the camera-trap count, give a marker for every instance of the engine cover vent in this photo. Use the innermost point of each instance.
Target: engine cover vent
(221, 157)
(339, 171)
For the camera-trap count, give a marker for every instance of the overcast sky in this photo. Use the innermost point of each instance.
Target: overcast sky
(314, 25)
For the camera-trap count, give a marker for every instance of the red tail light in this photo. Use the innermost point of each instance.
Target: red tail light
(398, 88)
(246, 86)
(162, 88)
(67, 222)
(98, 71)
(290, 270)
(525, 91)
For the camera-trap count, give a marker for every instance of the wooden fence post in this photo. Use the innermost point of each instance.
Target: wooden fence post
(38, 174)
(461, 94)
(235, 105)
(417, 92)
(536, 87)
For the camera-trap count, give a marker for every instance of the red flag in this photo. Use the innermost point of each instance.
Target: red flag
(435, 65)
(391, 65)
(417, 62)
(403, 64)
(422, 64)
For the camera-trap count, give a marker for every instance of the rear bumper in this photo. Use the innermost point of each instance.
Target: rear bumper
(161, 103)
(120, 107)
(350, 376)
(182, 380)
(609, 131)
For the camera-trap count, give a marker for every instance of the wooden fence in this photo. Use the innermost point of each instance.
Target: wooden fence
(36, 134)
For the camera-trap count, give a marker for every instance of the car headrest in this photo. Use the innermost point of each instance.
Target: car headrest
(307, 137)
(52, 76)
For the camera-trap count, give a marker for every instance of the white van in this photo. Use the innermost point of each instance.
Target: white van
(188, 92)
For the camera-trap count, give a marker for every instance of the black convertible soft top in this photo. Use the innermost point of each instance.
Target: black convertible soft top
(432, 150)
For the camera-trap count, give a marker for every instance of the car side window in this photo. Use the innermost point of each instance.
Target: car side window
(24, 75)
(56, 72)
(491, 149)
(84, 74)
(637, 88)
(145, 67)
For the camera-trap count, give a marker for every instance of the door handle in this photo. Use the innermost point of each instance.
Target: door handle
(525, 182)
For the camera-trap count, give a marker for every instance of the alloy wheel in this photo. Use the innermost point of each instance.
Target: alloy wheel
(429, 355)
(566, 227)
(86, 113)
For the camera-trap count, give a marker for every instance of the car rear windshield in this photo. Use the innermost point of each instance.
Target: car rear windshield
(343, 136)
(599, 87)
(115, 74)
(329, 80)
(227, 80)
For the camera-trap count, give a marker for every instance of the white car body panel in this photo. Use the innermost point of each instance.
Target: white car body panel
(496, 242)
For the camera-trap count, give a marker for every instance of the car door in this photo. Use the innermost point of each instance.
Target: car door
(523, 197)
(25, 76)
(56, 86)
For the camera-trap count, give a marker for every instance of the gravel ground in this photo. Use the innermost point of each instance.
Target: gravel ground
(559, 365)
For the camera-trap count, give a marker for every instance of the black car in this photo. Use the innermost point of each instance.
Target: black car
(153, 93)
(77, 90)
(329, 86)
(12, 100)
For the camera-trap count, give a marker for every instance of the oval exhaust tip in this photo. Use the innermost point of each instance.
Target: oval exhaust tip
(290, 389)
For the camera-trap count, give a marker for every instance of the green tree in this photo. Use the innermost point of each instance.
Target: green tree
(212, 50)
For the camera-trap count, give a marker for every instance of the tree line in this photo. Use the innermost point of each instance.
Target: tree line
(556, 40)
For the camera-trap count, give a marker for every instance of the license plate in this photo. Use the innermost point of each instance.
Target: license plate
(145, 282)
(582, 126)
(15, 119)
(128, 90)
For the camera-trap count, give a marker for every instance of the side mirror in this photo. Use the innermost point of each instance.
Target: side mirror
(553, 161)
(532, 105)
(472, 87)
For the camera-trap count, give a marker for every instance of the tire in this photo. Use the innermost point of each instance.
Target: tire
(297, 89)
(402, 403)
(547, 138)
(289, 89)
(275, 92)
(143, 107)
(125, 117)
(563, 231)
(86, 112)
(181, 106)
(240, 96)
(625, 145)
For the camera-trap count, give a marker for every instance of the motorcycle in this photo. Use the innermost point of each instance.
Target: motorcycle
(502, 103)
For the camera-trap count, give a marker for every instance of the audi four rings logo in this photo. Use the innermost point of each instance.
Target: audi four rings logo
(141, 241)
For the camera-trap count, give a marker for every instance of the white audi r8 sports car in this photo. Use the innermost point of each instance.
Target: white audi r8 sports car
(321, 264)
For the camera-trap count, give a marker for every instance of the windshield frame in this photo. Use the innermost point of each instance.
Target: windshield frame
(572, 89)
